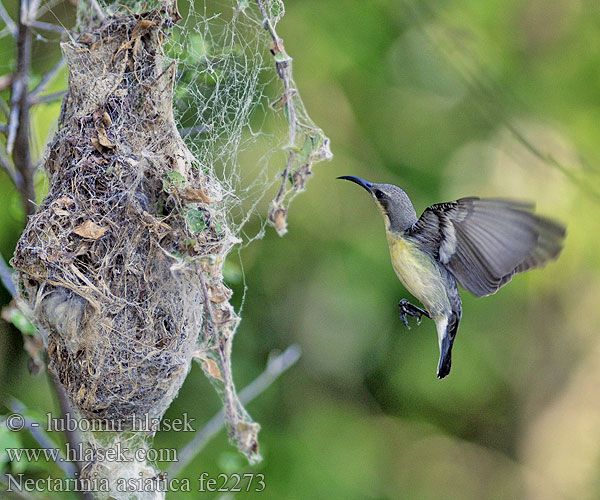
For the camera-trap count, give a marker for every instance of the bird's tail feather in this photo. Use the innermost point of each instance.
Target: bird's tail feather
(446, 345)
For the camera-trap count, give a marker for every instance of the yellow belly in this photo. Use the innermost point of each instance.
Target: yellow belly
(419, 274)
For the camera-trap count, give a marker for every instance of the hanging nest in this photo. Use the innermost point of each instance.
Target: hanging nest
(121, 264)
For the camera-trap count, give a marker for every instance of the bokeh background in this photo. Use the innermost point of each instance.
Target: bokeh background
(446, 99)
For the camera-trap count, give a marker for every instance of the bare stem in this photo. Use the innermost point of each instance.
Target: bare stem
(46, 26)
(71, 469)
(47, 78)
(284, 70)
(275, 367)
(48, 97)
(10, 24)
(35, 429)
(96, 6)
(18, 143)
(6, 277)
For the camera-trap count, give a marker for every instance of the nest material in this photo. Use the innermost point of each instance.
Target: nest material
(121, 264)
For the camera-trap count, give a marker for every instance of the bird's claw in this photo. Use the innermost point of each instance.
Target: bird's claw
(408, 309)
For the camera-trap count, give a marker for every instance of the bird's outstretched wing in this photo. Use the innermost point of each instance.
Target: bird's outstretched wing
(485, 242)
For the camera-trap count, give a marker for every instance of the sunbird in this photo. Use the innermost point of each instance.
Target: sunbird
(479, 243)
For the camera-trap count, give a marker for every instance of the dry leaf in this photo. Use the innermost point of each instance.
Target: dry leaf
(102, 137)
(90, 230)
(96, 144)
(196, 195)
(62, 205)
(212, 368)
(278, 218)
(218, 295)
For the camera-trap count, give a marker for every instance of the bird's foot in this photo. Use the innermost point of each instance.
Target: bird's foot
(408, 309)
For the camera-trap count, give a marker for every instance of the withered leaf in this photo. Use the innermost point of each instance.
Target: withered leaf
(218, 294)
(62, 205)
(196, 195)
(212, 368)
(96, 144)
(90, 230)
(106, 119)
(102, 137)
(278, 218)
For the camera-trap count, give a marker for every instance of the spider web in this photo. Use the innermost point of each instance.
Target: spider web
(236, 117)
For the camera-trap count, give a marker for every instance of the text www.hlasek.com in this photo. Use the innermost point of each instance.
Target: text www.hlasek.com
(88, 454)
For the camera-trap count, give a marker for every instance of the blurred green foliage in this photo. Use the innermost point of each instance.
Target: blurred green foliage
(446, 99)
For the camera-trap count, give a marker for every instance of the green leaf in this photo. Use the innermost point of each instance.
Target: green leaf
(173, 179)
(21, 322)
(281, 57)
(8, 439)
(196, 221)
(307, 149)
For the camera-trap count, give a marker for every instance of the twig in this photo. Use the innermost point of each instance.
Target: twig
(10, 24)
(47, 78)
(47, 98)
(35, 429)
(98, 9)
(14, 175)
(72, 436)
(34, 6)
(284, 70)
(275, 367)
(13, 119)
(18, 143)
(46, 26)
(3, 106)
(6, 277)
(47, 7)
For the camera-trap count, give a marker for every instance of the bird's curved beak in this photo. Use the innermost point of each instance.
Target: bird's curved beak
(357, 180)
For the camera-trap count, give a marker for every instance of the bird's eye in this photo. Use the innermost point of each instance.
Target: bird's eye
(378, 194)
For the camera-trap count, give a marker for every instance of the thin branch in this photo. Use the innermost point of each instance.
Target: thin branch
(284, 70)
(34, 7)
(47, 78)
(47, 98)
(35, 429)
(47, 7)
(6, 277)
(72, 469)
(10, 24)
(72, 436)
(14, 175)
(98, 9)
(13, 120)
(275, 367)
(18, 143)
(4, 107)
(46, 26)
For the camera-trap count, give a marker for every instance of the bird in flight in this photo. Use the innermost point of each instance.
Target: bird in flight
(479, 243)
